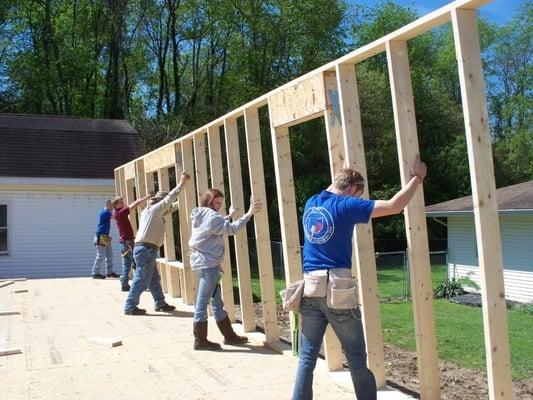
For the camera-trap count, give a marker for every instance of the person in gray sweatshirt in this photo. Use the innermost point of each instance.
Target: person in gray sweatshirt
(206, 253)
(149, 239)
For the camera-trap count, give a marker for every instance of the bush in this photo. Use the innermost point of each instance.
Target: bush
(523, 308)
(453, 287)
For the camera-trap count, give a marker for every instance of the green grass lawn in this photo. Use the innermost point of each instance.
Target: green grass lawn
(460, 334)
(459, 328)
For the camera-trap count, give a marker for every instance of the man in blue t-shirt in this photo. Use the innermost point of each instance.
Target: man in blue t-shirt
(102, 242)
(328, 223)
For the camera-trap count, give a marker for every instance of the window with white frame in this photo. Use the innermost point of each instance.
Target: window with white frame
(3, 228)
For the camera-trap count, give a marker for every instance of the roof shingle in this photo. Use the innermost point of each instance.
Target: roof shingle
(514, 197)
(64, 147)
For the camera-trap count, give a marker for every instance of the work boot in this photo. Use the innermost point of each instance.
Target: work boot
(135, 311)
(230, 337)
(200, 337)
(165, 307)
(113, 275)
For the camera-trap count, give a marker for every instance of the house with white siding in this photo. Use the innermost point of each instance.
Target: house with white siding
(515, 208)
(55, 175)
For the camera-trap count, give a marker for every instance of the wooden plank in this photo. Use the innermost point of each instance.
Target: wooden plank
(290, 237)
(173, 276)
(281, 149)
(117, 181)
(140, 185)
(415, 221)
(9, 312)
(162, 268)
(189, 201)
(13, 279)
(261, 227)
(105, 341)
(149, 183)
(6, 283)
(20, 291)
(217, 181)
(363, 243)
(332, 344)
(185, 274)
(168, 243)
(160, 158)
(129, 170)
(240, 239)
(200, 164)
(9, 352)
(122, 181)
(299, 102)
(485, 206)
(130, 198)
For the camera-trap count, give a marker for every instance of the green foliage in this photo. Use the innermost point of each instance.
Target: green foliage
(454, 287)
(524, 308)
(169, 66)
(460, 334)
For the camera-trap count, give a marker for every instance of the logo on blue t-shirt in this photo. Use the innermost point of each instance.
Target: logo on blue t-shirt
(318, 225)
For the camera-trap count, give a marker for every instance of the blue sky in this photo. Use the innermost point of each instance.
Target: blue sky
(498, 11)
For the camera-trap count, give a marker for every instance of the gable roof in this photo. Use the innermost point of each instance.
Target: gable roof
(64, 147)
(514, 198)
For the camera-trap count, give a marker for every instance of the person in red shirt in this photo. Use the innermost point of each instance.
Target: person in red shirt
(125, 231)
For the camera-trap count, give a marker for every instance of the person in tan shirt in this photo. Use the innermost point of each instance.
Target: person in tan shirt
(149, 238)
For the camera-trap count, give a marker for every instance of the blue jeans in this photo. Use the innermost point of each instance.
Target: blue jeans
(126, 251)
(208, 288)
(315, 315)
(146, 276)
(104, 258)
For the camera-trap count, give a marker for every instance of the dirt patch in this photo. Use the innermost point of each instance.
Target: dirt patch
(402, 371)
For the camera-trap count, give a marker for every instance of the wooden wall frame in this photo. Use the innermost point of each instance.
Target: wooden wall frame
(330, 91)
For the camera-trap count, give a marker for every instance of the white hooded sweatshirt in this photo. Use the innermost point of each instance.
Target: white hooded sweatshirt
(207, 241)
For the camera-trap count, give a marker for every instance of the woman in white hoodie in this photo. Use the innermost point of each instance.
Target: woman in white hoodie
(207, 252)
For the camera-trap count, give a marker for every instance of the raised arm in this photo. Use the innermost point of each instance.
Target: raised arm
(166, 203)
(222, 225)
(134, 205)
(399, 201)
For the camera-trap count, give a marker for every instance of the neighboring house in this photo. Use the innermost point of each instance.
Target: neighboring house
(55, 175)
(515, 205)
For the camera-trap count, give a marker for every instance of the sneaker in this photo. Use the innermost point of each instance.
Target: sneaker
(98, 276)
(166, 308)
(125, 288)
(135, 311)
(113, 275)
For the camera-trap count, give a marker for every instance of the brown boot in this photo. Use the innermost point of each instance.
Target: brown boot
(230, 337)
(200, 337)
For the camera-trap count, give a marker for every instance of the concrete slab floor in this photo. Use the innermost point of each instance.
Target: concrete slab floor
(155, 361)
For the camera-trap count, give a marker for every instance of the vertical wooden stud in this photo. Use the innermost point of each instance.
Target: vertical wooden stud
(363, 238)
(200, 164)
(415, 220)
(332, 345)
(128, 199)
(170, 251)
(281, 148)
(217, 182)
(484, 200)
(140, 185)
(240, 239)
(262, 234)
(189, 204)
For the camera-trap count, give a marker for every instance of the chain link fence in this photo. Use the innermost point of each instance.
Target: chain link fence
(392, 269)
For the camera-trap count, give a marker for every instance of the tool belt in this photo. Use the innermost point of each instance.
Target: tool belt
(102, 240)
(340, 291)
